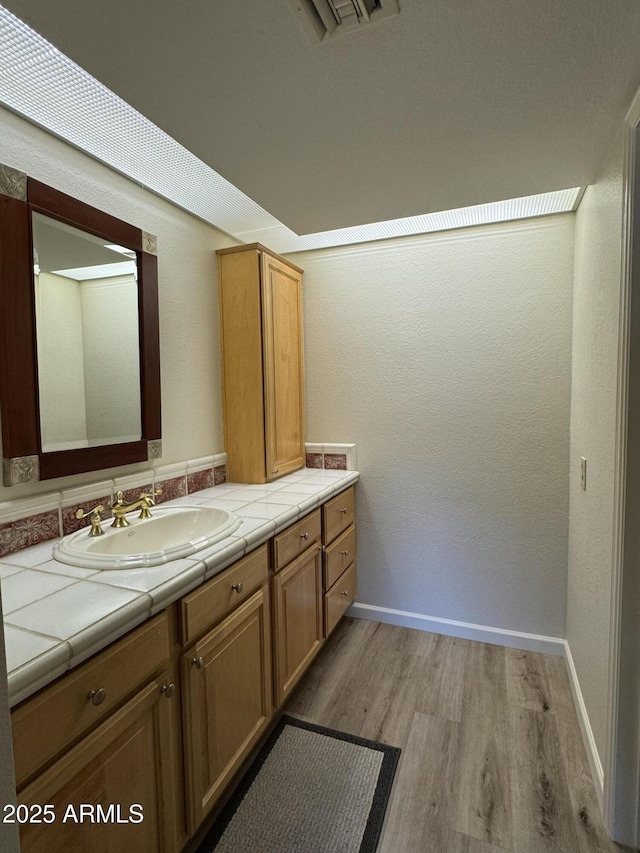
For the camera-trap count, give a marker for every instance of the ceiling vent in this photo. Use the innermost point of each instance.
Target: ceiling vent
(325, 18)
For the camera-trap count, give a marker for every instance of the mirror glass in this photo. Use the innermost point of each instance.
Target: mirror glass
(87, 332)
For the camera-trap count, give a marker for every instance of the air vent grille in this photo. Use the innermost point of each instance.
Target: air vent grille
(324, 18)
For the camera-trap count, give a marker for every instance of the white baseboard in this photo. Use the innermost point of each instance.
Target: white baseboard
(588, 739)
(465, 630)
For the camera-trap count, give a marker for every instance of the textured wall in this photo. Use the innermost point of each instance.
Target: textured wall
(447, 358)
(598, 255)
(189, 340)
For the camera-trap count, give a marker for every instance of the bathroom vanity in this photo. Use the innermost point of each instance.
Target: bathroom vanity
(159, 722)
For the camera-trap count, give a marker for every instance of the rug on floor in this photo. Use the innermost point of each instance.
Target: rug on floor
(309, 790)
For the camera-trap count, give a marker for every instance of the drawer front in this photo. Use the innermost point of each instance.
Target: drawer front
(338, 556)
(339, 598)
(338, 514)
(44, 725)
(207, 605)
(296, 539)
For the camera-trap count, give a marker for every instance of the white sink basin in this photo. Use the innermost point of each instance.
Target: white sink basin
(171, 533)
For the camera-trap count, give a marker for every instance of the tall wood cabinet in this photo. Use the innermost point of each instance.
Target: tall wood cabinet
(262, 363)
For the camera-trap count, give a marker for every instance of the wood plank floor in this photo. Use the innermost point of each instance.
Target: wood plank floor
(492, 758)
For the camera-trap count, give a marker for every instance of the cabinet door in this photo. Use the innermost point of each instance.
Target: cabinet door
(227, 696)
(297, 609)
(100, 787)
(283, 359)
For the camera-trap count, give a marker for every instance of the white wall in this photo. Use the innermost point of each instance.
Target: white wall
(111, 356)
(60, 360)
(189, 338)
(447, 358)
(598, 254)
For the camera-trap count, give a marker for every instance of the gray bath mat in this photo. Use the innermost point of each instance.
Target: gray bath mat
(310, 790)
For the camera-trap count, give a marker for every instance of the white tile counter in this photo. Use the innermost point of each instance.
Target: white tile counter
(56, 616)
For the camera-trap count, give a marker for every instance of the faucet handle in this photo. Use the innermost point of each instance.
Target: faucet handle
(145, 500)
(96, 519)
(150, 496)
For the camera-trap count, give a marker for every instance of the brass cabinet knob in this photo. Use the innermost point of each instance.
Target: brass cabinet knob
(98, 696)
(169, 690)
(344, 509)
(345, 553)
(304, 535)
(237, 587)
(275, 471)
(198, 662)
(344, 592)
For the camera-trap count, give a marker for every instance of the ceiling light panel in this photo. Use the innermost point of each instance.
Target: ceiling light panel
(284, 240)
(45, 86)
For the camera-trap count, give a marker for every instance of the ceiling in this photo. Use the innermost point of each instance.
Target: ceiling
(448, 104)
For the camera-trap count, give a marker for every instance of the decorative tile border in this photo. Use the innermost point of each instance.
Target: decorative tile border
(199, 480)
(16, 535)
(172, 488)
(333, 457)
(41, 518)
(315, 460)
(69, 521)
(335, 461)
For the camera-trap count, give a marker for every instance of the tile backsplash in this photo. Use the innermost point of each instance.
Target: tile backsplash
(337, 457)
(31, 521)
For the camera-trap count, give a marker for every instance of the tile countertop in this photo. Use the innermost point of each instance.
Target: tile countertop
(56, 616)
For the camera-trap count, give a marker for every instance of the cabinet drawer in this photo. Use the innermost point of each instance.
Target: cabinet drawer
(339, 598)
(338, 556)
(211, 602)
(44, 725)
(296, 539)
(338, 514)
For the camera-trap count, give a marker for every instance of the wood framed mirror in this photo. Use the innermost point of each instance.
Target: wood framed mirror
(79, 345)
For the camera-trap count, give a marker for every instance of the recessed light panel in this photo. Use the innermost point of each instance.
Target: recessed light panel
(45, 86)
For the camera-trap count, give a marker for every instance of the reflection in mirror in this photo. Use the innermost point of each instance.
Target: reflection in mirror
(87, 331)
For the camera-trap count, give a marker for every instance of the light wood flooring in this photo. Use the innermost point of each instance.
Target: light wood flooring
(492, 758)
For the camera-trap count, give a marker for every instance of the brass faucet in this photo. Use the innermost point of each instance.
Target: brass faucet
(144, 501)
(96, 518)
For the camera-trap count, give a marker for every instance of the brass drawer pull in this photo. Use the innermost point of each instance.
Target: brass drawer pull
(275, 471)
(344, 592)
(169, 690)
(198, 662)
(98, 696)
(304, 535)
(344, 509)
(345, 553)
(237, 587)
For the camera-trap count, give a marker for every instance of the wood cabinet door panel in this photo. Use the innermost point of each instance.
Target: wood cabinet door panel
(127, 761)
(297, 595)
(338, 556)
(227, 692)
(205, 606)
(339, 598)
(338, 514)
(284, 383)
(59, 715)
(295, 539)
